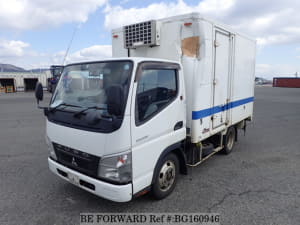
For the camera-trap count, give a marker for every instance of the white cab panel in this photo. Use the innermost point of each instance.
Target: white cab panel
(152, 137)
(94, 143)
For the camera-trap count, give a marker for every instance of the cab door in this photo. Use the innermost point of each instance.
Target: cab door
(158, 115)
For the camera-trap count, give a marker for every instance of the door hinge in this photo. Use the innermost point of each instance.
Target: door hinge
(216, 44)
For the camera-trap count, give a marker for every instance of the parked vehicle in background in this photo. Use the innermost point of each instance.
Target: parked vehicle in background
(176, 92)
(262, 81)
(55, 71)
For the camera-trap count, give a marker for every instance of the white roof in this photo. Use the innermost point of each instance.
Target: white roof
(195, 15)
(135, 59)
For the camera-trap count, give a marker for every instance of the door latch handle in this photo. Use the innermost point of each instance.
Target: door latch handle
(178, 125)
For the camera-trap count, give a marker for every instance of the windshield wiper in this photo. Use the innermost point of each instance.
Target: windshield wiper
(62, 104)
(86, 109)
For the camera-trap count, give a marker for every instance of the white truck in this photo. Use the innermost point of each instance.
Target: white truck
(176, 92)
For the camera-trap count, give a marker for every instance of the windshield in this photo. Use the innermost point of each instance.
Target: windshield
(56, 70)
(85, 85)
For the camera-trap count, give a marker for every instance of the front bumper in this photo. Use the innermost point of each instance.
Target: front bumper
(117, 193)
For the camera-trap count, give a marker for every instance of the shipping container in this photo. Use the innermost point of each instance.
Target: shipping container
(291, 82)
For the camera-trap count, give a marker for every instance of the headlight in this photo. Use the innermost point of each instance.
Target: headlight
(50, 148)
(116, 168)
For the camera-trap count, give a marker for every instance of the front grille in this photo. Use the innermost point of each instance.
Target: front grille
(77, 160)
(140, 34)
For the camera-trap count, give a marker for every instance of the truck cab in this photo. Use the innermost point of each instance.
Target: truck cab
(110, 123)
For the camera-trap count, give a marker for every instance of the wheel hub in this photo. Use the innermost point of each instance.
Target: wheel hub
(167, 175)
(230, 141)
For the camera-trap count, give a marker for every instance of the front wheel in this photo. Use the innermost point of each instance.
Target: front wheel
(165, 177)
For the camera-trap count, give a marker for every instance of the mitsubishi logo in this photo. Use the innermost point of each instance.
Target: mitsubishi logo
(74, 163)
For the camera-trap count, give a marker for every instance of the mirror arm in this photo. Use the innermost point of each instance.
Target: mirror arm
(46, 109)
(41, 107)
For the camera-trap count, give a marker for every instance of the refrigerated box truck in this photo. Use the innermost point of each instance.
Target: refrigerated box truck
(176, 92)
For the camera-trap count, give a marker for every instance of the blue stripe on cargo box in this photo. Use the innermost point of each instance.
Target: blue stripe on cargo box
(210, 111)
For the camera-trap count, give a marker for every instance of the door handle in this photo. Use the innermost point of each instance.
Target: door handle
(178, 125)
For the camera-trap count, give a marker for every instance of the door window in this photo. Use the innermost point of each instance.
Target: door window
(156, 89)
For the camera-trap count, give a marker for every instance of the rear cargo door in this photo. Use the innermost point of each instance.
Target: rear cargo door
(221, 77)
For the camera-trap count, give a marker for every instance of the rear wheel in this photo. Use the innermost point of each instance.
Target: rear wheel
(165, 177)
(229, 140)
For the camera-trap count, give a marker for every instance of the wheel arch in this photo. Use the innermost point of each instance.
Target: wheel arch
(236, 132)
(177, 149)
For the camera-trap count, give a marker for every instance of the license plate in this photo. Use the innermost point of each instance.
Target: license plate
(73, 179)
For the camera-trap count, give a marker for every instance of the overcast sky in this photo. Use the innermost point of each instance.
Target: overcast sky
(36, 33)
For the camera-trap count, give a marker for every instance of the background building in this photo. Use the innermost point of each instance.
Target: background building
(22, 81)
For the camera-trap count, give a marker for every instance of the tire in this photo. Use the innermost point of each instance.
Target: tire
(165, 177)
(229, 140)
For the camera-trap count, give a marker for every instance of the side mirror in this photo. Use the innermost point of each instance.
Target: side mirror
(115, 100)
(39, 93)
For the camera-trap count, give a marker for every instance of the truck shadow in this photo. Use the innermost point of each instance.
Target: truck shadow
(182, 197)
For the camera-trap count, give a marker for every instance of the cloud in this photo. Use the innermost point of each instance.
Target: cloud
(18, 53)
(274, 70)
(115, 14)
(15, 52)
(12, 48)
(92, 53)
(271, 22)
(123, 2)
(33, 14)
